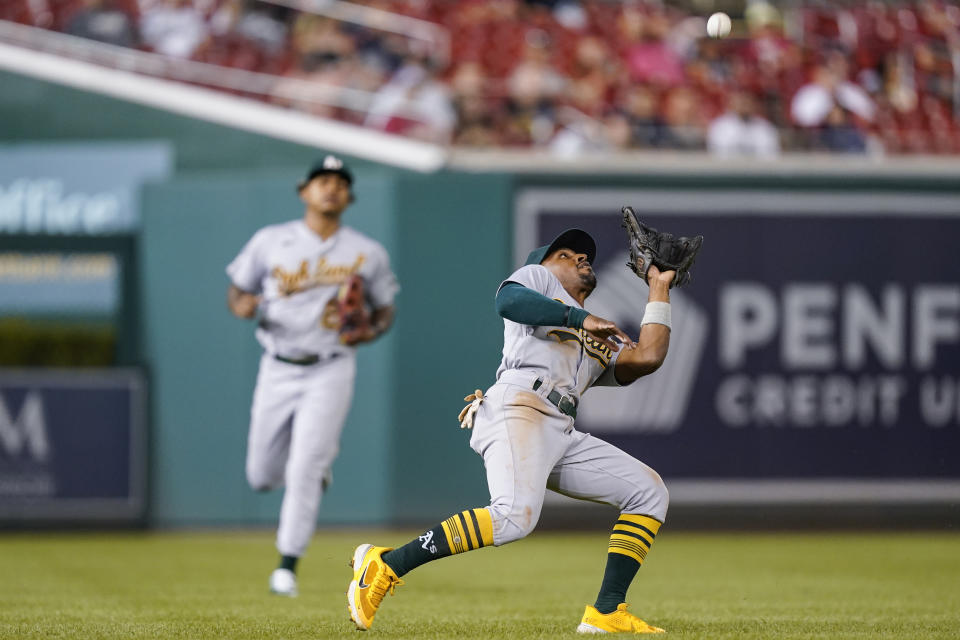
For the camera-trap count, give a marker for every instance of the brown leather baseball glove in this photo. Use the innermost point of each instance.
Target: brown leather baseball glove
(352, 310)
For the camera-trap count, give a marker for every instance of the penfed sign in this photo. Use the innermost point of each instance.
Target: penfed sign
(824, 337)
(817, 346)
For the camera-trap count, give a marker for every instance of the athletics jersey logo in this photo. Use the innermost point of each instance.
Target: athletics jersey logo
(659, 403)
(291, 282)
(596, 350)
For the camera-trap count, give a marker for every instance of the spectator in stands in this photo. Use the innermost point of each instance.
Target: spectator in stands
(576, 134)
(580, 134)
(934, 70)
(569, 13)
(319, 38)
(476, 123)
(469, 80)
(588, 95)
(313, 85)
(643, 113)
(684, 127)
(383, 51)
(741, 131)
(415, 103)
(534, 82)
(299, 91)
(593, 57)
(326, 64)
(533, 88)
(104, 21)
(830, 86)
(258, 22)
(649, 58)
(899, 88)
(839, 134)
(594, 74)
(617, 131)
(713, 66)
(476, 112)
(767, 45)
(174, 28)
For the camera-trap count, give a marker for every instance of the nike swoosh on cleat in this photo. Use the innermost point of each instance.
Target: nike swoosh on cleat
(364, 585)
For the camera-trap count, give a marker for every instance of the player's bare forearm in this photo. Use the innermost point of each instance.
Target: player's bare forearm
(646, 357)
(241, 303)
(654, 340)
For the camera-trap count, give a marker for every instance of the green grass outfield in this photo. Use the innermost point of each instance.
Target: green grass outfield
(213, 585)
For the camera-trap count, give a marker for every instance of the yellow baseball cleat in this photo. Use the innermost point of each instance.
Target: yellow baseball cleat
(619, 621)
(372, 579)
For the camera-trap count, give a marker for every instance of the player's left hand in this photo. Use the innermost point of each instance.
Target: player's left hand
(661, 277)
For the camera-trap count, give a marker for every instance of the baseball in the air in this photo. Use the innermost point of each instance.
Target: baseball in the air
(718, 25)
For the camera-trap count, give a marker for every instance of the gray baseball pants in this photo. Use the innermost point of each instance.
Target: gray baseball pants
(296, 420)
(528, 446)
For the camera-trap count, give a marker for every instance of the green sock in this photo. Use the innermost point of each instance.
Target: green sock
(289, 562)
(617, 577)
(432, 545)
(464, 531)
(630, 541)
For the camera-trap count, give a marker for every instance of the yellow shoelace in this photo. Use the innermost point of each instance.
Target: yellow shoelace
(381, 586)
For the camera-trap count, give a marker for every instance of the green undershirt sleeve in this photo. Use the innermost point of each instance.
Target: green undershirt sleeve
(525, 306)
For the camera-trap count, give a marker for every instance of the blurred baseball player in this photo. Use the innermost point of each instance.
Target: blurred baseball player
(291, 273)
(523, 427)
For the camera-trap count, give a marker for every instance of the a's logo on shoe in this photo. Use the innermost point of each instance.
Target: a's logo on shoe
(363, 577)
(427, 540)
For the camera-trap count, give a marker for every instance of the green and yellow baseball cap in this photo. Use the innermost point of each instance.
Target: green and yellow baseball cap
(576, 239)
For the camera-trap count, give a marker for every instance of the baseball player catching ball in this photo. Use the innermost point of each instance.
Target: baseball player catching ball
(523, 426)
(298, 277)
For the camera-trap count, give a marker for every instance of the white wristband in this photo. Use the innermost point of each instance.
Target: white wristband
(657, 313)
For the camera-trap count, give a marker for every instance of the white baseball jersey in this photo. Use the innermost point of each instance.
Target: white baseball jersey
(528, 445)
(298, 274)
(570, 358)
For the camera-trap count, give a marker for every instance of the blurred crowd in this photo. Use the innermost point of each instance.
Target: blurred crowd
(579, 75)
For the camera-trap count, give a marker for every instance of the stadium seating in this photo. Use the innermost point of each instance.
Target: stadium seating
(899, 52)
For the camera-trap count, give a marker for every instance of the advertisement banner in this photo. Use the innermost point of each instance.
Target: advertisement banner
(72, 445)
(59, 282)
(77, 189)
(818, 344)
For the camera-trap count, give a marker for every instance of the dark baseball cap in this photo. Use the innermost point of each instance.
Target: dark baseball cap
(576, 239)
(329, 164)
